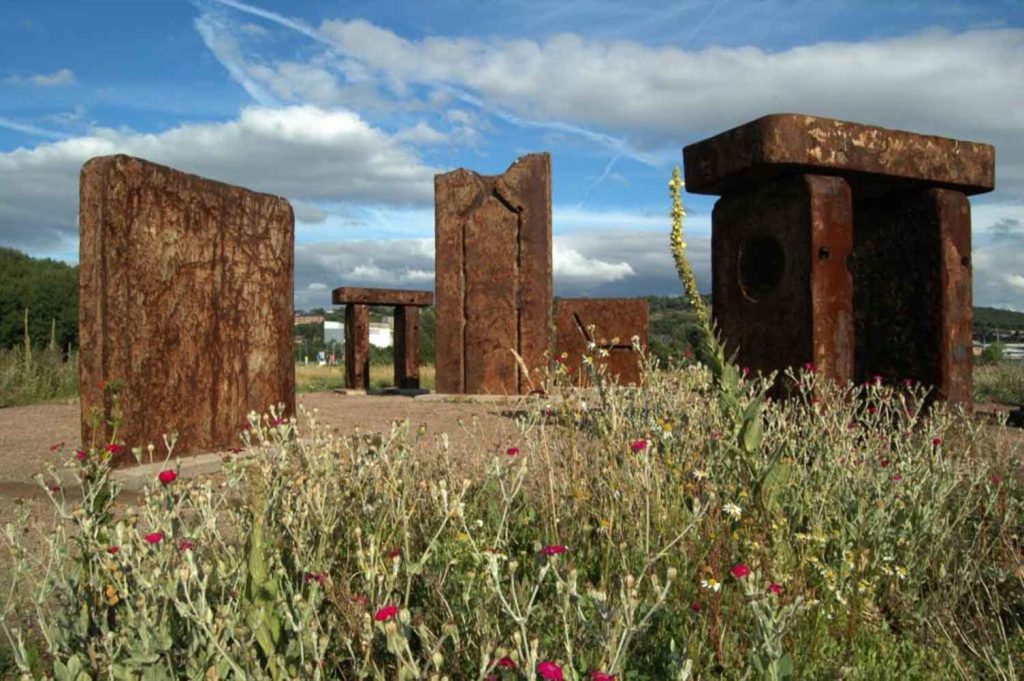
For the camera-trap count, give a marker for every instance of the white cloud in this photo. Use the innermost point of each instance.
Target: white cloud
(58, 78)
(1016, 281)
(302, 153)
(571, 265)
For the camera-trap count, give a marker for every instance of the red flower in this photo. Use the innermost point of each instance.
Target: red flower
(775, 588)
(996, 479)
(601, 676)
(695, 606)
(186, 545)
(55, 447)
(236, 450)
(550, 671)
(809, 367)
(638, 445)
(112, 550)
(512, 451)
(715, 435)
(168, 476)
(394, 553)
(897, 477)
(114, 449)
(318, 577)
(884, 463)
(386, 613)
(80, 454)
(505, 663)
(54, 488)
(278, 421)
(872, 409)
(154, 537)
(549, 412)
(739, 570)
(937, 441)
(745, 371)
(553, 550)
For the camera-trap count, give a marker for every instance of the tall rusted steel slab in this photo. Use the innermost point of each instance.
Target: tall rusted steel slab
(912, 290)
(782, 293)
(869, 157)
(185, 308)
(493, 276)
(407, 346)
(610, 324)
(357, 346)
(910, 261)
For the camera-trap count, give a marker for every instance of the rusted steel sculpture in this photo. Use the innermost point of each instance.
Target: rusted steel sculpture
(185, 307)
(493, 277)
(610, 324)
(845, 245)
(407, 304)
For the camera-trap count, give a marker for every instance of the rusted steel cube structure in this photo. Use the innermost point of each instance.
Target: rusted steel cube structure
(185, 306)
(493, 277)
(407, 304)
(610, 324)
(846, 245)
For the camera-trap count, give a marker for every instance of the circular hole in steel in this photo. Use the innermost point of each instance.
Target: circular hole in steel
(824, 254)
(761, 265)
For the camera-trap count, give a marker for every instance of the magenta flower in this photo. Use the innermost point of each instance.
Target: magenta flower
(80, 454)
(386, 613)
(810, 367)
(553, 550)
(186, 545)
(550, 671)
(775, 588)
(695, 606)
(113, 550)
(739, 570)
(638, 445)
(154, 537)
(936, 441)
(505, 663)
(512, 451)
(114, 449)
(318, 577)
(168, 476)
(601, 676)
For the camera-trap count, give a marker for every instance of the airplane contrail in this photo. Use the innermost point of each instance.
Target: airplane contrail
(31, 129)
(280, 19)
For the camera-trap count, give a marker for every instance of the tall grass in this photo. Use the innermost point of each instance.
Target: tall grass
(313, 378)
(999, 382)
(29, 375)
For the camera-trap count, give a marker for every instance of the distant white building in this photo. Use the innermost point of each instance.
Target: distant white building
(334, 332)
(381, 335)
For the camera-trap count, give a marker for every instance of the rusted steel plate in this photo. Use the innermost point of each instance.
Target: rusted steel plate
(185, 305)
(381, 296)
(867, 156)
(912, 290)
(783, 295)
(357, 346)
(491, 288)
(493, 276)
(407, 346)
(614, 322)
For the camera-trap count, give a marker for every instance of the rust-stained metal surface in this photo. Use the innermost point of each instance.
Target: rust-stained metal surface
(912, 290)
(357, 334)
(609, 323)
(782, 292)
(381, 296)
(493, 277)
(357, 346)
(877, 230)
(869, 157)
(407, 346)
(185, 305)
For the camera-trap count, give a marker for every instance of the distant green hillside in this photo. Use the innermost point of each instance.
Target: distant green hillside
(49, 289)
(990, 318)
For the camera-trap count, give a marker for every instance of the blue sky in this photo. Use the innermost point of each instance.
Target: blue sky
(349, 108)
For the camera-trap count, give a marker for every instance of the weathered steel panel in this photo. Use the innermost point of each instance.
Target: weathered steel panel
(611, 324)
(357, 346)
(185, 305)
(407, 346)
(783, 296)
(493, 276)
(868, 156)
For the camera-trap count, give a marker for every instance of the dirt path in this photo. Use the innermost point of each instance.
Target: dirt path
(28, 433)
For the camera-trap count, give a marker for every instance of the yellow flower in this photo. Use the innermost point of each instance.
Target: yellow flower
(113, 598)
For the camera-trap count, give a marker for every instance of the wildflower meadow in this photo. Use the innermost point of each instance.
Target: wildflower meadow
(689, 528)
